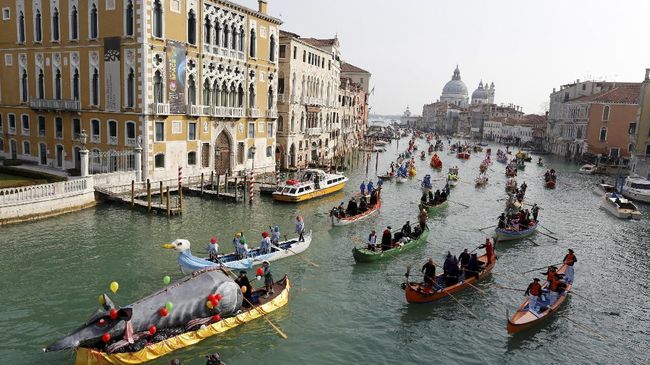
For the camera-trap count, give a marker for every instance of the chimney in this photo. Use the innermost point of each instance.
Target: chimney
(261, 6)
(647, 74)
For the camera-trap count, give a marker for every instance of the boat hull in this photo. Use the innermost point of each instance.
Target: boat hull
(349, 220)
(307, 196)
(550, 184)
(505, 235)
(620, 213)
(434, 208)
(365, 255)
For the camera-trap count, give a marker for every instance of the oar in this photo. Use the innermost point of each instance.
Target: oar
(592, 302)
(278, 330)
(466, 206)
(586, 328)
(540, 268)
(534, 243)
(484, 228)
(508, 288)
(454, 298)
(296, 254)
(549, 236)
(549, 231)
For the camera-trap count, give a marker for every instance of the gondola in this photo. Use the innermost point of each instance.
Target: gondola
(418, 293)
(550, 184)
(363, 254)
(336, 221)
(433, 207)
(509, 235)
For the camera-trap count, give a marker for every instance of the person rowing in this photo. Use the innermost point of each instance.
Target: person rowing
(372, 240)
(463, 260)
(429, 271)
(265, 244)
(569, 260)
(534, 291)
(387, 239)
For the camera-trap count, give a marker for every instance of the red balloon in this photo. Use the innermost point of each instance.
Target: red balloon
(113, 314)
(260, 271)
(163, 312)
(106, 337)
(153, 330)
(216, 318)
(214, 302)
(211, 297)
(218, 296)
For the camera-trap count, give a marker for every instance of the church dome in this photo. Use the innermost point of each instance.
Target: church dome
(480, 92)
(455, 86)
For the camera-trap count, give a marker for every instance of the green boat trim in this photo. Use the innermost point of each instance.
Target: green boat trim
(433, 208)
(362, 254)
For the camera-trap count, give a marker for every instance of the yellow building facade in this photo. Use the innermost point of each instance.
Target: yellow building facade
(193, 82)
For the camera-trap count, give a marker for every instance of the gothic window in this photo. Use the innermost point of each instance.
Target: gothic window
(233, 95)
(40, 89)
(251, 96)
(226, 32)
(57, 85)
(603, 134)
(215, 93)
(93, 22)
(206, 92)
(157, 19)
(252, 41)
(130, 89)
(23, 82)
(224, 94)
(128, 18)
(191, 91)
(233, 37)
(272, 48)
(270, 98)
(242, 39)
(157, 88)
(38, 27)
(191, 27)
(240, 96)
(95, 88)
(217, 34)
(21, 27)
(207, 35)
(55, 25)
(74, 23)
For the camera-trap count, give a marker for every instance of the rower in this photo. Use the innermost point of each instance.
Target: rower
(246, 288)
(363, 206)
(423, 199)
(502, 221)
(463, 258)
(422, 219)
(450, 269)
(524, 187)
(362, 187)
(372, 240)
(275, 235)
(387, 239)
(374, 197)
(268, 278)
(429, 271)
(535, 211)
(406, 229)
(236, 240)
(352, 208)
(443, 196)
(265, 244)
(436, 196)
(431, 199)
(569, 260)
(533, 291)
(489, 249)
(370, 187)
(473, 266)
(300, 229)
(213, 249)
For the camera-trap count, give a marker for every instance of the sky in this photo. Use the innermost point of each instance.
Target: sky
(525, 47)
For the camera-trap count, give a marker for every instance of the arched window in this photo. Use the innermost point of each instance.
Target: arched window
(293, 122)
(159, 160)
(252, 41)
(240, 96)
(55, 25)
(606, 113)
(224, 94)
(74, 23)
(191, 158)
(271, 101)
(207, 34)
(112, 132)
(128, 18)
(95, 88)
(21, 27)
(280, 123)
(206, 92)
(157, 22)
(251, 96)
(38, 27)
(269, 151)
(272, 49)
(23, 82)
(233, 95)
(242, 39)
(93, 22)
(233, 37)
(215, 93)
(40, 88)
(57, 85)
(157, 88)
(191, 27)
(217, 33)
(226, 33)
(130, 89)
(191, 90)
(130, 133)
(603, 134)
(26, 148)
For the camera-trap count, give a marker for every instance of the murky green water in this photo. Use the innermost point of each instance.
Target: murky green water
(53, 270)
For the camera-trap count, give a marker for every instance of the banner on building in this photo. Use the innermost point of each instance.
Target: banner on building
(112, 74)
(176, 76)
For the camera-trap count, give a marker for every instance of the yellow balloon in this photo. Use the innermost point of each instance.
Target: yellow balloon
(243, 289)
(114, 286)
(102, 301)
(209, 304)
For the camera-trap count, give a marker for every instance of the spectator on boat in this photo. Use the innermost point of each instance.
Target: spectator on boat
(370, 187)
(363, 206)
(352, 208)
(341, 210)
(372, 240)
(236, 240)
(265, 244)
(246, 288)
(569, 260)
(268, 278)
(473, 266)
(535, 211)
(362, 188)
(463, 259)
(387, 239)
(502, 221)
(533, 291)
(300, 228)
(213, 249)
(429, 271)
(275, 235)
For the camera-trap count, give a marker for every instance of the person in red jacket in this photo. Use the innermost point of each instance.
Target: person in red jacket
(533, 291)
(569, 260)
(489, 250)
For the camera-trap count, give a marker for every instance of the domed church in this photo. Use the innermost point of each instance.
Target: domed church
(483, 94)
(455, 91)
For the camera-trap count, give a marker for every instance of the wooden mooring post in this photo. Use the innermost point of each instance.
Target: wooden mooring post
(236, 189)
(161, 193)
(169, 212)
(132, 193)
(148, 195)
(218, 184)
(201, 183)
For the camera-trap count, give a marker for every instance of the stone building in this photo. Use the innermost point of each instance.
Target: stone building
(483, 94)
(639, 132)
(194, 82)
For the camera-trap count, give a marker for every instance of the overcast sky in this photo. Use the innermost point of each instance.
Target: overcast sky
(525, 47)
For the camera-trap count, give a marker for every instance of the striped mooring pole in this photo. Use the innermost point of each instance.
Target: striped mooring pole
(250, 188)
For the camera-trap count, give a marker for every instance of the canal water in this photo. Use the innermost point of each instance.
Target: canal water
(53, 270)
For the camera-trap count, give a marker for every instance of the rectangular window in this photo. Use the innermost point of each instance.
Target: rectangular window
(304, 56)
(25, 125)
(251, 130)
(614, 152)
(240, 152)
(9, 60)
(95, 131)
(283, 51)
(6, 13)
(58, 128)
(26, 148)
(12, 124)
(76, 128)
(0, 124)
(632, 128)
(41, 126)
(295, 52)
(647, 150)
(281, 86)
(159, 160)
(160, 131)
(191, 135)
(269, 130)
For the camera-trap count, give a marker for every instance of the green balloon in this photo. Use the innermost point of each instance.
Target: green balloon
(169, 306)
(167, 279)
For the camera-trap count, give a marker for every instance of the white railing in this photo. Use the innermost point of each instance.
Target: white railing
(95, 138)
(253, 112)
(160, 108)
(41, 132)
(45, 104)
(217, 111)
(112, 140)
(24, 132)
(33, 193)
(314, 131)
(12, 130)
(103, 162)
(130, 141)
(237, 112)
(271, 113)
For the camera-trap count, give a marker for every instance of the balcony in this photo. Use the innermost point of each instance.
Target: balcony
(237, 112)
(217, 111)
(61, 105)
(198, 110)
(112, 140)
(24, 132)
(314, 131)
(41, 132)
(272, 113)
(253, 113)
(130, 141)
(95, 138)
(160, 109)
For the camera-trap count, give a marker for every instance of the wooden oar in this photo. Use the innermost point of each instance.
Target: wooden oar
(549, 231)
(295, 254)
(466, 206)
(540, 268)
(592, 302)
(454, 298)
(484, 228)
(278, 330)
(549, 236)
(508, 288)
(586, 328)
(534, 243)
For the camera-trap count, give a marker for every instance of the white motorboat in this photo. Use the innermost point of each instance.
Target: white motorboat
(602, 189)
(587, 169)
(636, 188)
(620, 207)
(312, 184)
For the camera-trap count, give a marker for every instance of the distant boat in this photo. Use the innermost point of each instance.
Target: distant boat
(620, 207)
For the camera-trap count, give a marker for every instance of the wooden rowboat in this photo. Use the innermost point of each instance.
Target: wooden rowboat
(386, 177)
(508, 235)
(524, 318)
(363, 254)
(463, 155)
(433, 207)
(349, 220)
(418, 293)
(90, 356)
(550, 184)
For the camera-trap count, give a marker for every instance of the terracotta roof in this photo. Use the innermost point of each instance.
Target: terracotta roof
(319, 42)
(625, 94)
(533, 119)
(347, 67)
(284, 33)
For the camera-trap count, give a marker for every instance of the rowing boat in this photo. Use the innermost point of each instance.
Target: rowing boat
(525, 318)
(509, 235)
(550, 184)
(154, 350)
(336, 221)
(463, 155)
(386, 177)
(363, 254)
(418, 293)
(433, 207)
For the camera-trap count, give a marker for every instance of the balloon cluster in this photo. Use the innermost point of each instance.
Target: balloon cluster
(213, 301)
(259, 273)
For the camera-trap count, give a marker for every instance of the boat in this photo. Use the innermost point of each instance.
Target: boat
(386, 177)
(313, 183)
(636, 188)
(550, 184)
(602, 189)
(336, 221)
(363, 254)
(620, 207)
(412, 171)
(154, 350)
(511, 185)
(417, 293)
(502, 158)
(433, 207)
(288, 248)
(481, 180)
(509, 235)
(524, 318)
(587, 169)
(435, 162)
(521, 165)
(463, 155)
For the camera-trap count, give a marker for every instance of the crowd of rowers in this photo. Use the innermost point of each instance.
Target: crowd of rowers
(268, 243)
(364, 204)
(556, 284)
(456, 269)
(439, 197)
(550, 175)
(519, 221)
(401, 237)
